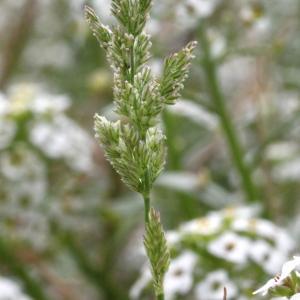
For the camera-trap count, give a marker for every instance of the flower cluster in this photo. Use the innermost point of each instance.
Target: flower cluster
(36, 138)
(9, 290)
(285, 285)
(231, 248)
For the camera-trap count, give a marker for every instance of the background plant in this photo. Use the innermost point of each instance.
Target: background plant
(136, 148)
(253, 46)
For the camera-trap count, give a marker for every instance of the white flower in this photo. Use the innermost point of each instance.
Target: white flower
(266, 256)
(296, 297)
(289, 267)
(212, 287)
(265, 288)
(45, 103)
(195, 113)
(288, 171)
(179, 278)
(231, 247)
(182, 181)
(7, 132)
(4, 105)
(141, 283)
(281, 150)
(173, 237)
(206, 226)
(62, 138)
(28, 192)
(286, 270)
(9, 290)
(21, 163)
(201, 8)
(261, 227)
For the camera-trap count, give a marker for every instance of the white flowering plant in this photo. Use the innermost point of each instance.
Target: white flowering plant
(229, 249)
(231, 137)
(285, 285)
(35, 136)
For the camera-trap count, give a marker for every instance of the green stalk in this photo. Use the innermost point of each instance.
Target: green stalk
(160, 297)
(230, 133)
(146, 206)
(132, 68)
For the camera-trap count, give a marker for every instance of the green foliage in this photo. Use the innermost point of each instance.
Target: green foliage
(157, 250)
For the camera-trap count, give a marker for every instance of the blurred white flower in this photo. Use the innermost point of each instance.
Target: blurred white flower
(281, 150)
(265, 288)
(8, 130)
(195, 113)
(212, 287)
(21, 163)
(4, 104)
(141, 283)
(261, 227)
(173, 237)
(28, 192)
(45, 103)
(289, 267)
(63, 138)
(206, 226)
(231, 247)
(179, 278)
(296, 297)
(56, 54)
(9, 290)
(200, 8)
(287, 171)
(184, 181)
(264, 255)
(286, 270)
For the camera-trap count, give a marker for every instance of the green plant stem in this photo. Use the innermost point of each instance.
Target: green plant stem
(132, 67)
(231, 135)
(146, 206)
(19, 270)
(160, 297)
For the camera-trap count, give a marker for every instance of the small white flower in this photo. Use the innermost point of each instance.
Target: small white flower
(4, 105)
(289, 267)
(141, 283)
(212, 287)
(9, 290)
(45, 103)
(265, 288)
(266, 256)
(7, 132)
(296, 297)
(173, 237)
(62, 138)
(201, 8)
(179, 278)
(286, 270)
(21, 163)
(231, 247)
(261, 227)
(204, 226)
